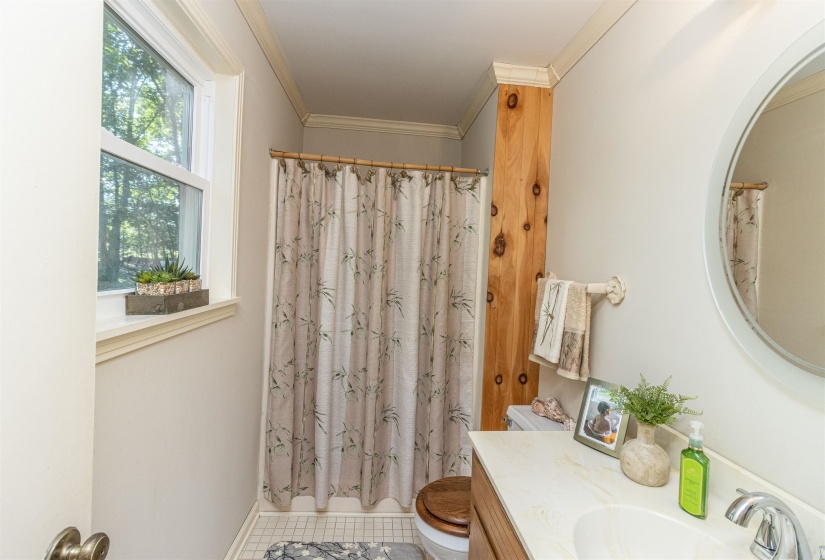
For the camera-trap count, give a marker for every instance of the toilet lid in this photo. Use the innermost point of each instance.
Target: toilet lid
(449, 499)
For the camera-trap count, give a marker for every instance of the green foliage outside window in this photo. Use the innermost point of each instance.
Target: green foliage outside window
(146, 103)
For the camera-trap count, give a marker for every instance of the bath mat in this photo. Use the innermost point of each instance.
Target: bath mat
(296, 550)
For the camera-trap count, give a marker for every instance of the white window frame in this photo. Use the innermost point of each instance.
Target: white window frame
(149, 27)
(170, 27)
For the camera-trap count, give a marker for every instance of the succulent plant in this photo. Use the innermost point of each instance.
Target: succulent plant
(191, 276)
(163, 277)
(173, 267)
(144, 277)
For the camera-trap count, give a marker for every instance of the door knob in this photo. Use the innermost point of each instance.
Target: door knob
(66, 546)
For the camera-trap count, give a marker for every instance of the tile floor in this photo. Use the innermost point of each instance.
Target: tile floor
(270, 529)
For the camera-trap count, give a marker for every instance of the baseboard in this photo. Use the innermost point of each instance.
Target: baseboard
(235, 550)
(305, 505)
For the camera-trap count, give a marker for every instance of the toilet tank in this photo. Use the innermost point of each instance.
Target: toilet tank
(521, 418)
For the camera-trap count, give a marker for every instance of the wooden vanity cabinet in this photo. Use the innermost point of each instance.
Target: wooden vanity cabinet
(492, 536)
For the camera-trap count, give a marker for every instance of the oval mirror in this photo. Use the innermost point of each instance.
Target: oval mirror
(765, 234)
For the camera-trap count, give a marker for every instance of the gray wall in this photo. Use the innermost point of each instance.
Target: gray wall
(177, 424)
(381, 146)
(636, 126)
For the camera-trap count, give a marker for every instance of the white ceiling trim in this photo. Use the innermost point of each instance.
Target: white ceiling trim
(798, 90)
(379, 125)
(534, 76)
(499, 73)
(254, 15)
(485, 89)
(591, 32)
(188, 17)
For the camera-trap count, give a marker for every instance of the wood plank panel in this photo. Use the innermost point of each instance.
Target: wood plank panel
(509, 207)
(499, 531)
(537, 268)
(480, 548)
(517, 236)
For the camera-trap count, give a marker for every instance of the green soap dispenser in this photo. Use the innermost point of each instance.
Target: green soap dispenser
(693, 475)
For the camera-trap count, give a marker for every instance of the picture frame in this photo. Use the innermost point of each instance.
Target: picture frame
(600, 424)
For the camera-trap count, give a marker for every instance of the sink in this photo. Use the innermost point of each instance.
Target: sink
(621, 531)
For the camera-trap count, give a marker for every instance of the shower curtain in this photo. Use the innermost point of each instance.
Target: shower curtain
(371, 355)
(742, 229)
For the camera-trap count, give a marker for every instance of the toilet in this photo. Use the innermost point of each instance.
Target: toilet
(442, 509)
(442, 517)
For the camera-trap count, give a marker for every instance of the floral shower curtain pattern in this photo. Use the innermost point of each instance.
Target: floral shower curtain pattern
(742, 229)
(372, 326)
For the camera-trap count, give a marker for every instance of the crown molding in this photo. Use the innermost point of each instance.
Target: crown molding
(189, 18)
(535, 76)
(591, 32)
(500, 73)
(484, 89)
(798, 90)
(254, 15)
(378, 125)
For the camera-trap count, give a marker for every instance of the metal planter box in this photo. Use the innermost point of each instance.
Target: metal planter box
(164, 305)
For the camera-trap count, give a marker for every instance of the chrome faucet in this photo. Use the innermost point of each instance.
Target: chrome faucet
(780, 536)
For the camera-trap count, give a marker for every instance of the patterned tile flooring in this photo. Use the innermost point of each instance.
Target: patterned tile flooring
(272, 528)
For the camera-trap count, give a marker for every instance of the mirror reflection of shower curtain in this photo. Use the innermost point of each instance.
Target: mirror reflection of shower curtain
(744, 216)
(371, 354)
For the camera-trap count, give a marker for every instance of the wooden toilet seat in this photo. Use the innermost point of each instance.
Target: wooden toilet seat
(444, 505)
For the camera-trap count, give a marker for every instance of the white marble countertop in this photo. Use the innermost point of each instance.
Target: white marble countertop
(547, 480)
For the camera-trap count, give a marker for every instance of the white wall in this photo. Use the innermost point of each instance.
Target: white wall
(478, 150)
(380, 146)
(49, 168)
(786, 148)
(177, 424)
(636, 126)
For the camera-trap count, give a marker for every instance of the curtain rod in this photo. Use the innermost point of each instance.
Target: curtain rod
(371, 163)
(757, 186)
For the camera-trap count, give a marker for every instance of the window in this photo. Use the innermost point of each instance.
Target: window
(154, 174)
(169, 163)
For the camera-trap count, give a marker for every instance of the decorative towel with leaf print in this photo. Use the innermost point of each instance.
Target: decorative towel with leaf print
(371, 355)
(541, 286)
(551, 321)
(743, 225)
(576, 325)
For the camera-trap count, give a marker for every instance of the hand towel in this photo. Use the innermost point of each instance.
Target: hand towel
(551, 320)
(533, 357)
(575, 329)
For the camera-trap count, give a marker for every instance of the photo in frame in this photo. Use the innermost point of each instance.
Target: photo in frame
(601, 425)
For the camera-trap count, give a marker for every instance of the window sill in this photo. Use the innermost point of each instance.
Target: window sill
(122, 335)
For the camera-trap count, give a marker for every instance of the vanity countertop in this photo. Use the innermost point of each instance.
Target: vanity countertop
(547, 480)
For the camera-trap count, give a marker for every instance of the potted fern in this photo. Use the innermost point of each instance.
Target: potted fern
(643, 461)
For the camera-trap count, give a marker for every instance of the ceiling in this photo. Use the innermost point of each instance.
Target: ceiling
(413, 60)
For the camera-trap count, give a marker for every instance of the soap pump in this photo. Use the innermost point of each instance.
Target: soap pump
(693, 474)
